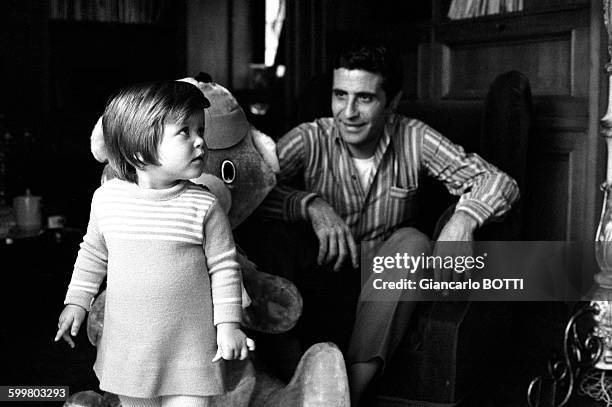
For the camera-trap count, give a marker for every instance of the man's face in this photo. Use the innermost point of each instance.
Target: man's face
(359, 106)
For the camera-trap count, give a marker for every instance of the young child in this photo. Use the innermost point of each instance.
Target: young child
(166, 249)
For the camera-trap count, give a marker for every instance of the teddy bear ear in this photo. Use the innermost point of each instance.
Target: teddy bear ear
(203, 77)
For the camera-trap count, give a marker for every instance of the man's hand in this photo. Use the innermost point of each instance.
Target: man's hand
(70, 319)
(232, 343)
(455, 240)
(335, 239)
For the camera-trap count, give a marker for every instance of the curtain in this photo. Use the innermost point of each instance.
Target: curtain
(304, 49)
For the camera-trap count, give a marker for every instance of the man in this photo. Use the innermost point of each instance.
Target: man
(360, 171)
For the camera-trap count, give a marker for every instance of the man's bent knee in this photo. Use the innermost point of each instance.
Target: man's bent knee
(406, 240)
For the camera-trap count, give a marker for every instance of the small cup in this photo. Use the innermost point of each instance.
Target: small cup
(56, 222)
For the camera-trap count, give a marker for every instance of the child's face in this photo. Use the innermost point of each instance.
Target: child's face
(182, 153)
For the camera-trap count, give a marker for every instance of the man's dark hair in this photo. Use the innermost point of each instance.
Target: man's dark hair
(374, 58)
(134, 119)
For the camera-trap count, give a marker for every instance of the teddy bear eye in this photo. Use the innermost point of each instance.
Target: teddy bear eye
(228, 171)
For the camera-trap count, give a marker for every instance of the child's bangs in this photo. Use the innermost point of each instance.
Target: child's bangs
(179, 114)
(182, 113)
(193, 102)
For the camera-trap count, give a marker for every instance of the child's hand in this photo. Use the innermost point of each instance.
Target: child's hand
(232, 342)
(71, 319)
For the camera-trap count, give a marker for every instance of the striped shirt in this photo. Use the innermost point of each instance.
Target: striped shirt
(126, 218)
(316, 154)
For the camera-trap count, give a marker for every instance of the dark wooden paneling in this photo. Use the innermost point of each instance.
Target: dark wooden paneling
(411, 85)
(549, 204)
(554, 64)
(503, 26)
(546, 62)
(556, 185)
(551, 46)
(542, 4)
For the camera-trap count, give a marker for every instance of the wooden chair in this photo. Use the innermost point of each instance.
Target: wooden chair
(451, 346)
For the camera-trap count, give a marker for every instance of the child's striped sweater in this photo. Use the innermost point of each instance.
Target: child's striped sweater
(171, 269)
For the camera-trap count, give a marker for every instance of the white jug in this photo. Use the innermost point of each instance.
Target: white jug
(28, 212)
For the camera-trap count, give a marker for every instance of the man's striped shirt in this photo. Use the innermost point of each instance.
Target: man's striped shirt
(316, 154)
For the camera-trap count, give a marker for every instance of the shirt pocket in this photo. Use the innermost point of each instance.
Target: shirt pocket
(403, 207)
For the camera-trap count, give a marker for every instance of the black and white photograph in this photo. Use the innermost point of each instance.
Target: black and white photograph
(316, 203)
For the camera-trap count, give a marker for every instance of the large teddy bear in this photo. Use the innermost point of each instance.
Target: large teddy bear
(240, 171)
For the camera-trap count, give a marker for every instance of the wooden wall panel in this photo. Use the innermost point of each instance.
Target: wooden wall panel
(410, 60)
(547, 219)
(556, 185)
(547, 62)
